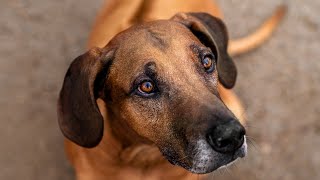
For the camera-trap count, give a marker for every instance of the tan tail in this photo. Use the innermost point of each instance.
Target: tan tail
(252, 41)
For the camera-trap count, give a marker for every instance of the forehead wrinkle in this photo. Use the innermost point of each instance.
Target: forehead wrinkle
(169, 49)
(157, 38)
(182, 74)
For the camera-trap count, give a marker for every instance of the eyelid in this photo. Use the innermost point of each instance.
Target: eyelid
(209, 53)
(138, 81)
(203, 52)
(200, 51)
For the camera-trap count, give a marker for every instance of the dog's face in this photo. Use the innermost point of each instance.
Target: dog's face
(159, 80)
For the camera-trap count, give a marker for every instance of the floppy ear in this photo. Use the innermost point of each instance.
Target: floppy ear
(79, 117)
(212, 32)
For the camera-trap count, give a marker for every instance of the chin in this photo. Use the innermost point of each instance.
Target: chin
(206, 160)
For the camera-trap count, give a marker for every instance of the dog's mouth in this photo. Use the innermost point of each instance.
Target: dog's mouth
(203, 159)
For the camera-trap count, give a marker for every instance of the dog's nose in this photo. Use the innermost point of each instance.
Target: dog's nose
(227, 137)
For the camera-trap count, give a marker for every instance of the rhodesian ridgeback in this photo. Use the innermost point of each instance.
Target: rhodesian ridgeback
(151, 97)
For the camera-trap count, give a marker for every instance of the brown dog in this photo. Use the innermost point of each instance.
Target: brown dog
(155, 92)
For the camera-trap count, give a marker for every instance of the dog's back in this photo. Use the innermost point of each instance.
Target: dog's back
(116, 16)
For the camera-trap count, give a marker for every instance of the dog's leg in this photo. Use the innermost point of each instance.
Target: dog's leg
(252, 41)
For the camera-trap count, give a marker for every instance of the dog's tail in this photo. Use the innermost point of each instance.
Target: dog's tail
(254, 40)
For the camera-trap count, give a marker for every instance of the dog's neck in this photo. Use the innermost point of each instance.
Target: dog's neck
(113, 161)
(116, 159)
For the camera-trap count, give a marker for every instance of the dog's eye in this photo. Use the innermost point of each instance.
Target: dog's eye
(146, 87)
(208, 63)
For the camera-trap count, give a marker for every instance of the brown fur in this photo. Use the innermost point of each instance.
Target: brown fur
(123, 153)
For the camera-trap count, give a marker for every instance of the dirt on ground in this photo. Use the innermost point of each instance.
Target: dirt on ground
(279, 84)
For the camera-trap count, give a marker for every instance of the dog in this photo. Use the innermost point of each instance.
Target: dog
(151, 97)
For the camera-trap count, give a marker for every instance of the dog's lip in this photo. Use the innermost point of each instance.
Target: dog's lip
(230, 159)
(225, 160)
(239, 153)
(242, 151)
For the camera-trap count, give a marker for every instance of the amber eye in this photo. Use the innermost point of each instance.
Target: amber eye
(146, 87)
(207, 63)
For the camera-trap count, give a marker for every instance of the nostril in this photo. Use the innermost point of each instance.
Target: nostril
(221, 143)
(242, 131)
(210, 140)
(241, 136)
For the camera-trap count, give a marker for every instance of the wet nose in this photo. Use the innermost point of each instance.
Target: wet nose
(227, 137)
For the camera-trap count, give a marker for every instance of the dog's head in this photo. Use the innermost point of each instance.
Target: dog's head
(159, 80)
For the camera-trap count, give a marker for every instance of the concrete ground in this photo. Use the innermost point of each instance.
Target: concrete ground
(279, 84)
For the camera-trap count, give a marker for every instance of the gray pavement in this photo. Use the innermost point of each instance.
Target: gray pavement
(279, 84)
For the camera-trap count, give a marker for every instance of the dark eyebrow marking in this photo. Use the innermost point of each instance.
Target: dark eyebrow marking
(147, 71)
(150, 69)
(198, 49)
(157, 39)
(195, 49)
(201, 51)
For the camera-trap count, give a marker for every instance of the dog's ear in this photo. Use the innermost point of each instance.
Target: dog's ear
(79, 117)
(212, 32)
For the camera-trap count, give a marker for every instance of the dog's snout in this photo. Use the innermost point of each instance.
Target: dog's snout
(227, 137)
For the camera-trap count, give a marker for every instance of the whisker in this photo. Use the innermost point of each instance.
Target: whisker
(230, 171)
(225, 171)
(183, 158)
(251, 138)
(250, 125)
(210, 176)
(251, 143)
(235, 165)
